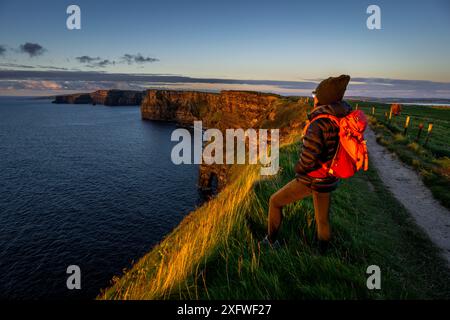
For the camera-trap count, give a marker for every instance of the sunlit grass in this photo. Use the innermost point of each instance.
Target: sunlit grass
(215, 252)
(163, 271)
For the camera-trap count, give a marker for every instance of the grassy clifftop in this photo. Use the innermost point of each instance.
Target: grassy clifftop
(214, 252)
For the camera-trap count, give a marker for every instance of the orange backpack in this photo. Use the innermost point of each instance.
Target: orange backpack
(351, 154)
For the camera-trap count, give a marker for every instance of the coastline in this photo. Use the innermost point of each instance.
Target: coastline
(214, 253)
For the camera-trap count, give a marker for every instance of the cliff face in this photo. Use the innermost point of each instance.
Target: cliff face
(77, 98)
(224, 110)
(105, 97)
(227, 109)
(117, 97)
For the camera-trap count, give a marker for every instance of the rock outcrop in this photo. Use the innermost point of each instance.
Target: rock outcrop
(77, 98)
(105, 97)
(227, 109)
(224, 110)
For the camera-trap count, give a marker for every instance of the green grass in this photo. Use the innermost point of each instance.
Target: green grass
(214, 253)
(439, 142)
(431, 161)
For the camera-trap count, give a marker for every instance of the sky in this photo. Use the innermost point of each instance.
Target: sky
(280, 46)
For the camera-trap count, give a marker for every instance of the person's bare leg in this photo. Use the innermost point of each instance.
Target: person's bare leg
(292, 191)
(321, 211)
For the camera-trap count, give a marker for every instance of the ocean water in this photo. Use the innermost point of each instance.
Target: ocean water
(83, 185)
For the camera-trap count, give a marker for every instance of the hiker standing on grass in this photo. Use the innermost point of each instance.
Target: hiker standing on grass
(320, 148)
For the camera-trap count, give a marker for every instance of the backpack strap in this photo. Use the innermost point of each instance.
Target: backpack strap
(320, 116)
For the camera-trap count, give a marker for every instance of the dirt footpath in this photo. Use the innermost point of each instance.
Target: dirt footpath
(408, 188)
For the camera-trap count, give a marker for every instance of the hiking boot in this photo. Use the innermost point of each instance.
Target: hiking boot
(266, 243)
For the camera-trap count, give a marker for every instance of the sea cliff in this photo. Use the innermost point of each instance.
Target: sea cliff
(216, 253)
(104, 97)
(227, 109)
(224, 110)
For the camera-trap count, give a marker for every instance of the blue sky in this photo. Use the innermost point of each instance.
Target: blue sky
(257, 40)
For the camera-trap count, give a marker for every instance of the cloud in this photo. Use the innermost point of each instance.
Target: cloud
(2, 50)
(101, 64)
(33, 49)
(95, 62)
(87, 59)
(30, 85)
(15, 65)
(98, 62)
(80, 81)
(24, 66)
(387, 84)
(137, 58)
(52, 67)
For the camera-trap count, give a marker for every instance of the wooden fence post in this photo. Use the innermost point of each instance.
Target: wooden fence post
(406, 125)
(430, 128)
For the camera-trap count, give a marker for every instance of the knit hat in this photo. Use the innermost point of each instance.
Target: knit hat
(332, 89)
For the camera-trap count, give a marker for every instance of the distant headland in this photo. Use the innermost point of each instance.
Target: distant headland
(105, 97)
